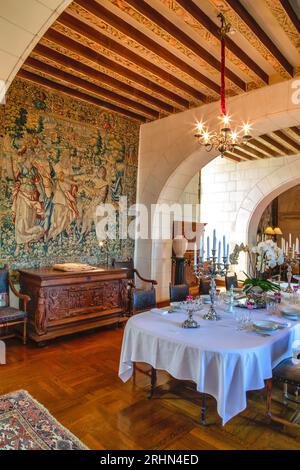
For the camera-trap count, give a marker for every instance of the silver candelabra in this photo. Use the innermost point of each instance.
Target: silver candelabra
(211, 269)
(291, 259)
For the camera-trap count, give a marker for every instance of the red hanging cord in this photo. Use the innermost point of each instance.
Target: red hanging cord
(223, 98)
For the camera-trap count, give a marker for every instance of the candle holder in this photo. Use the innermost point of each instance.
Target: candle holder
(291, 259)
(211, 269)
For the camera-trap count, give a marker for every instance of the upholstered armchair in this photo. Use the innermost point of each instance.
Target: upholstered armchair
(10, 316)
(135, 294)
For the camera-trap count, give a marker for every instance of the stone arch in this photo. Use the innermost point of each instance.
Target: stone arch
(169, 157)
(24, 29)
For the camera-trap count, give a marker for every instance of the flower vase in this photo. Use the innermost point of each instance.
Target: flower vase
(258, 296)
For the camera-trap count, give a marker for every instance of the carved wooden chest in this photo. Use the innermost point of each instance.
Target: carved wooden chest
(63, 303)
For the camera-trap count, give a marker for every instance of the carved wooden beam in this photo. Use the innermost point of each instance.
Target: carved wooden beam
(94, 35)
(32, 77)
(146, 10)
(282, 149)
(242, 12)
(93, 56)
(90, 87)
(116, 22)
(286, 138)
(264, 148)
(291, 14)
(208, 24)
(76, 66)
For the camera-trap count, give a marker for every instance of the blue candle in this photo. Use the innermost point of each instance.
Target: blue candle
(214, 240)
(202, 248)
(227, 255)
(219, 253)
(224, 246)
(195, 254)
(208, 248)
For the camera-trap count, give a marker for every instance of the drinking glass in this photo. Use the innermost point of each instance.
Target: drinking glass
(240, 318)
(271, 306)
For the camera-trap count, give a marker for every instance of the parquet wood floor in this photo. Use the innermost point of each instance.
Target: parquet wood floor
(76, 378)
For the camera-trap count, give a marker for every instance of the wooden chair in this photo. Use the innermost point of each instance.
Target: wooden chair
(178, 292)
(286, 373)
(10, 316)
(131, 276)
(231, 281)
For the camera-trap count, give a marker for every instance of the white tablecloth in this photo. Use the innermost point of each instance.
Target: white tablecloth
(222, 361)
(2, 353)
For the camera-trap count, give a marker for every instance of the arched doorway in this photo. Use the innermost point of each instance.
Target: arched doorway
(169, 157)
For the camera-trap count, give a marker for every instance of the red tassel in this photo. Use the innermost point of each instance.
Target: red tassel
(223, 103)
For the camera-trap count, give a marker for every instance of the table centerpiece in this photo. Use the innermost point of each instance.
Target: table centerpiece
(262, 258)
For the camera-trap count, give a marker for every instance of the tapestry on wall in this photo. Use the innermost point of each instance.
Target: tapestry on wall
(59, 159)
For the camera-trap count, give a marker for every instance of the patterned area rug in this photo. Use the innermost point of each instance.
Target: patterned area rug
(26, 425)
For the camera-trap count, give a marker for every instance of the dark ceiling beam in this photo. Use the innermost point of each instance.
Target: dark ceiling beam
(32, 77)
(296, 130)
(239, 153)
(241, 11)
(209, 25)
(286, 138)
(61, 59)
(89, 87)
(146, 10)
(291, 14)
(118, 23)
(94, 35)
(282, 149)
(232, 157)
(264, 148)
(93, 56)
(252, 151)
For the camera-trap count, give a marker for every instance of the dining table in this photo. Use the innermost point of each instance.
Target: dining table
(224, 359)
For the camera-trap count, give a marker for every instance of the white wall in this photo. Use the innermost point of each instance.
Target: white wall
(190, 195)
(234, 195)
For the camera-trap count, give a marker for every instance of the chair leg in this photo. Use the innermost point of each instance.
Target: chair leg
(269, 385)
(153, 382)
(203, 410)
(134, 374)
(25, 331)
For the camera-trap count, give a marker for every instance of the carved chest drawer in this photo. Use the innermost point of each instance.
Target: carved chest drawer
(63, 303)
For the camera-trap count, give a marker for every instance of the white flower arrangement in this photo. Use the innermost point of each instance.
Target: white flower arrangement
(268, 255)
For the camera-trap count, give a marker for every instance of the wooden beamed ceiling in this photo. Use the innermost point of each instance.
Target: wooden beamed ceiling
(279, 143)
(147, 59)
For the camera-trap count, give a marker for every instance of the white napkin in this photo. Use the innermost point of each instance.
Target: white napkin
(160, 311)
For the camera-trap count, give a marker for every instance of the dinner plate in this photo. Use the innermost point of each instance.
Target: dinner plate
(265, 325)
(290, 312)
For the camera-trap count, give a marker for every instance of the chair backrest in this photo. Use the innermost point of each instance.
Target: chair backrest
(231, 281)
(178, 292)
(4, 287)
(143, 300)
(125, 264)
(204, 286)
